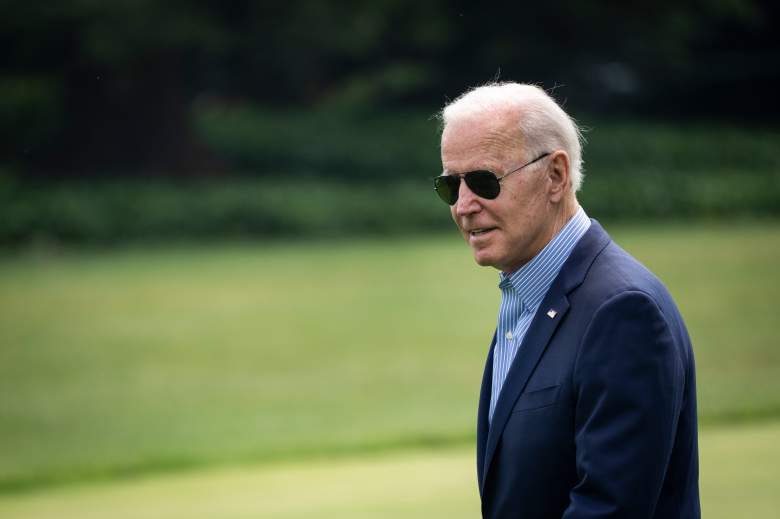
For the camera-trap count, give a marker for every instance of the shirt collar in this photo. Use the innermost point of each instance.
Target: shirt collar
(532, 280)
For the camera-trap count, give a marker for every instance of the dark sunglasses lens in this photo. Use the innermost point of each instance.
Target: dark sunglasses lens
(483, 184)
(447, 188)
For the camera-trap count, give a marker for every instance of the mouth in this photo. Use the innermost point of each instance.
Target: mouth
(480, 231)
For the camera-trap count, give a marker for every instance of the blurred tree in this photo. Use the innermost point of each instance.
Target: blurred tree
(122, 76)
(93, 86)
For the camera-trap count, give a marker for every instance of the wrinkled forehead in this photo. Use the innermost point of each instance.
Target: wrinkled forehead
(480, 139)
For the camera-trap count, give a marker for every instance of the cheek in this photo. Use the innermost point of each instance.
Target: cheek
(517, 226)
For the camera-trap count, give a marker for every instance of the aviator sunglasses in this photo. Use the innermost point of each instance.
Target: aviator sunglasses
(484, 184)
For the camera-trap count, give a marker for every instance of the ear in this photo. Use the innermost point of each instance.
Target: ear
(558, 175)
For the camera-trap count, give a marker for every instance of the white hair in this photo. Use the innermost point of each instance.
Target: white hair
(543, 124)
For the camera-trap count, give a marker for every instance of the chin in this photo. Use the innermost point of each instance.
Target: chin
(484, 259)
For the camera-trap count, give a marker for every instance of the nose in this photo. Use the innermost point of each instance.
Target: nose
(468, 202)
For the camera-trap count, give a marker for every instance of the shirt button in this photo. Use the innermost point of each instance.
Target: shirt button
(508, 335)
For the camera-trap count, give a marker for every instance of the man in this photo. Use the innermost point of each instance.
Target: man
(588, 402)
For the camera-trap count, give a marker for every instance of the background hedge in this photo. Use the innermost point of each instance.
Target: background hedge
(324, 174)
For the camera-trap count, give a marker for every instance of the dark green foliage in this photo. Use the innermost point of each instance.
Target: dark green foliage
(653, 170)
(120, 211)
(335, 144)
(325, 174)
(92, 88)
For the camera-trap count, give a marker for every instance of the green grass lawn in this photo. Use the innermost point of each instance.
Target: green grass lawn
(123, 362)
(738, 479)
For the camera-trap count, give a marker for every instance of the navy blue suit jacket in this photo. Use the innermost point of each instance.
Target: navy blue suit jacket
(597, 417)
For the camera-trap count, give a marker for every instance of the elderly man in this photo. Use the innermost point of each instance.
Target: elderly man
(588, 402)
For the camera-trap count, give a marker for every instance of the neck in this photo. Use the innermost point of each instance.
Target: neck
(563, 213)
(569, 207)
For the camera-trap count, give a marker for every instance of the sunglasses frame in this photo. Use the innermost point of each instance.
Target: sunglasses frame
(442, 179)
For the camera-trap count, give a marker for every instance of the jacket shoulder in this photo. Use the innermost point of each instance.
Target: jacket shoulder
(615, 271)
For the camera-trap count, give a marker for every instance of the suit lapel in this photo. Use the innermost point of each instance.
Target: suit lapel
(482, 413)
(534, 343)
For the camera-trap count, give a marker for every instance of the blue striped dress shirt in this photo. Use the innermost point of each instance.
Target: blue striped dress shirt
(521, 294)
